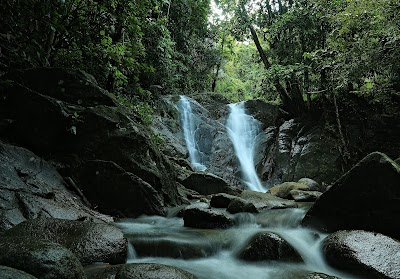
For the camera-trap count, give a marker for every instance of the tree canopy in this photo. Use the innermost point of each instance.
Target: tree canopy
(290, 51)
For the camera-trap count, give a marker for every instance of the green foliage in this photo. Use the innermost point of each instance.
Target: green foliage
(128, 45)
(241, 77)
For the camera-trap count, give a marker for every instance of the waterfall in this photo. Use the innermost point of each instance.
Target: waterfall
(189, 130)
(243, 130)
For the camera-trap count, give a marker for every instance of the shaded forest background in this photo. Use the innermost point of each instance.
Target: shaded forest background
(290, 52)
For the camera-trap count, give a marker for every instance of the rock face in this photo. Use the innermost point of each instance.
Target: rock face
(31, 187)
(364, 198)
(64, 115)
(298, 149)
(286, 150)
(367, 254)
(206, 219)
(42, 259)
(269, 247)
(11, 273)
(142, 271)
(90, 242)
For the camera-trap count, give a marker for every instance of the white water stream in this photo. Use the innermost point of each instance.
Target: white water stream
(243, 130)
(189, 131)
(221, 247)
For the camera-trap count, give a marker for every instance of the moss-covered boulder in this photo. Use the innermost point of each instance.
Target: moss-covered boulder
(40, 258)
(90, 242)
(283, 190)
(12, 273)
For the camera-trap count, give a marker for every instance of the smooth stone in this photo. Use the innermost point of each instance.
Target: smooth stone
(366, 254)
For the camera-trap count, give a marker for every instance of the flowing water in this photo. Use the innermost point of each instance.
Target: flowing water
(189, 130)
(213, 254)
(216, 250)
(243, 130)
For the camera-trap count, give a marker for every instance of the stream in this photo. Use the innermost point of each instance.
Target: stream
(215, 251)
(213, 254)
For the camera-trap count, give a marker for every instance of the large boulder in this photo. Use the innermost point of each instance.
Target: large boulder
(118, 192)
(366, 254)
(140, 270)
(42, 259)
(207, 183)
(90, 242)
(12, 273)
(64, 115)
(256, 202)
(268, 246)
(31, 187)
(364, 198)
(206, 219)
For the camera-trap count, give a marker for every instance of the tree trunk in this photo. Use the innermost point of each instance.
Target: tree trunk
(214, 83)
(259, 47)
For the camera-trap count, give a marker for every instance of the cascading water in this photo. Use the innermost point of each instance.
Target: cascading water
(189, 131)
(213, 254)
(243, 130)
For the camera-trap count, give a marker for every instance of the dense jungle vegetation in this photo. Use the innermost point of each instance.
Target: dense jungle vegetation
(290, 51)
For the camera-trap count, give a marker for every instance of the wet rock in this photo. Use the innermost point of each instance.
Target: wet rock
(140, 270)
(364, 198)
(201, 205)
(312, 184)
(302, 274)
(221, 200)
(255, 202)
(269, 247)
(283, 190)
(146, 247)
(56, 119)
(366, 254)
(300, 149)
(31, 187)
(268, 114)
(11, 273)
(207, 183)
(206, 219)
(304, 196)
(135, 151)
(118, 192)
(42, 259)
(90, 242)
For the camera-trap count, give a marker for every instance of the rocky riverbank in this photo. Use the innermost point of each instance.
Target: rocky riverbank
(72, 160)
